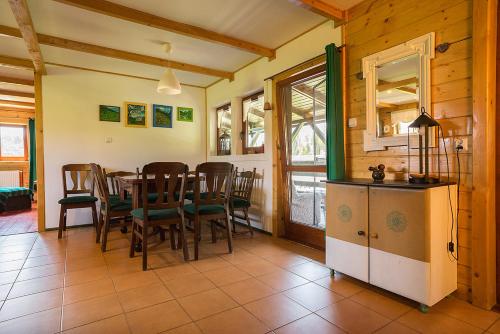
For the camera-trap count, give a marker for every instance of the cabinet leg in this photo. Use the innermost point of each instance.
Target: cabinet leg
(332, 272)
(423, 308)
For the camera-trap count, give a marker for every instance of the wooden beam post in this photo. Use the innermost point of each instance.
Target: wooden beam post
(150, 20)
(483, 178)
(118, 54)
(16, 62)
(16, 93)
(40, 167)
(23, 18)
(322, 8)
(16, 81)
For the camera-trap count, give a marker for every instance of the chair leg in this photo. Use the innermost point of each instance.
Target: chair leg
(133, 240)
(94, 215)
(65, 219)
(182, 239)
(214, 231)
(229, 234)
(196, 235)
(99, 228)
(248, 222)
(105, 235)
(171, 233)
(233, 220)
(144, 248)
(61, 222)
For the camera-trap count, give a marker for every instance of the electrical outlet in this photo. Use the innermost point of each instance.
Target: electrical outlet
(460, 141)
(108, 140)
(352, 122)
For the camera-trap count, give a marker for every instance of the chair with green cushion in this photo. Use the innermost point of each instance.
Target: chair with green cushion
(112, 209)
(163, 213)
(78, 194)
(211, 205)
(241, 195)
(110, 177)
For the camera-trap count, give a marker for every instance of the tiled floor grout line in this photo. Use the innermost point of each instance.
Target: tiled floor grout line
(12, 286)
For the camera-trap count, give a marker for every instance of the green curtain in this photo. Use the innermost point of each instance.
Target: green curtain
(32, 149)
(335, 159)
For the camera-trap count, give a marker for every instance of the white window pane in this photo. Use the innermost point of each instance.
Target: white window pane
(12, 141)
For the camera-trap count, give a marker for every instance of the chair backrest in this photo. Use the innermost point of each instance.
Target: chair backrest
(80, 175)
(100, 180)
(243, 184)
(169, 178)
(111, 178)
(217, 177)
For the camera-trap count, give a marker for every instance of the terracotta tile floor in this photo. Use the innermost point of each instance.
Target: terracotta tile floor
(267, 285)
(17, 222)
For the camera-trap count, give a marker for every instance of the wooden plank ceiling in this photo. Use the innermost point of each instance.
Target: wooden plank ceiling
(210, 39)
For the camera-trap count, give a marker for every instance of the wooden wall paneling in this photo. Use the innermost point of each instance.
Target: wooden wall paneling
(375, 25)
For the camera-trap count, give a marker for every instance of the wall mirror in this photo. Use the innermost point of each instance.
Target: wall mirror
(397, 87)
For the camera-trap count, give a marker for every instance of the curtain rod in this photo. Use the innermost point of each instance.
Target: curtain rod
(339, 48)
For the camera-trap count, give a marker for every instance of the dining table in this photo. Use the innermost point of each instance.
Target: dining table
(133, 185)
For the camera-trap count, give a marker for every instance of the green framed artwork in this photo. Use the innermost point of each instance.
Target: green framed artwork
(109, 113)
(162, 116)
(137, 115)
(184, 114)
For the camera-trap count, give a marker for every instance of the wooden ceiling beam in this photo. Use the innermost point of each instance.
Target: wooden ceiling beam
(16, 103)
(16, 93)
(16, 62)
(16, 81)
(139, 17)
(22, 14)
(118, 54)
(322, 8)
(386, 85)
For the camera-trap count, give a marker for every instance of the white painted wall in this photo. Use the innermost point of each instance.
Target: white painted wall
(74, 134)
(251, 79)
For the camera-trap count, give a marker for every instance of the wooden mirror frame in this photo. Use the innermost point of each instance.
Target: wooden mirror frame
(423, 46)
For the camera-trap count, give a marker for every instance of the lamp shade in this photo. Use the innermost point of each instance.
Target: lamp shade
(169, 84)
(423, 120)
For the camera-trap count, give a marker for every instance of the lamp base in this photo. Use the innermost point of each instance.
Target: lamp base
(421, 179)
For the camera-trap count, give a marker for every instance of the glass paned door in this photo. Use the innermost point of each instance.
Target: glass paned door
(303, 109)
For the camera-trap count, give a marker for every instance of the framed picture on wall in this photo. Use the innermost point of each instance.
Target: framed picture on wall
(162, 116)
(137, 114)
(184, 114)
(109, 113)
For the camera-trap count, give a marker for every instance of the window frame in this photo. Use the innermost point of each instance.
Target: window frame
(223, 107)
(25, 140)
(244, 131)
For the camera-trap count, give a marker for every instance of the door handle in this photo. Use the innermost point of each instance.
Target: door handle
(374, 235)
(361, 233)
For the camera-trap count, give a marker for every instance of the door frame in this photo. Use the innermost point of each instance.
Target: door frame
(40, 167)
(297, 232)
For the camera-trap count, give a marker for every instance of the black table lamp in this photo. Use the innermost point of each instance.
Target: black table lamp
(422, 123)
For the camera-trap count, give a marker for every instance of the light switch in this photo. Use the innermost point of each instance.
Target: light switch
(352, 122)
(108, 140)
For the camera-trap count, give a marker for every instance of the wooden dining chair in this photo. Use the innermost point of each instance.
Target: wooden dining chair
(241, 195)
(80, 194)
(211, 204)
(110, 210)
(165, 212)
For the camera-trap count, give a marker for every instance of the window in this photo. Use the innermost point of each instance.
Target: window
(224, 129)
(253, 124)
(13, 142)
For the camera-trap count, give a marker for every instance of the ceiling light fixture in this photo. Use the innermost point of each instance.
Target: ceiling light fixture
(168, 83)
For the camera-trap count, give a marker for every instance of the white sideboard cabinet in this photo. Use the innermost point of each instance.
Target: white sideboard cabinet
(393, 235)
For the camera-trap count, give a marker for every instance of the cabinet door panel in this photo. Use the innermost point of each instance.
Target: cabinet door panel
(347, 213)
(398, 222)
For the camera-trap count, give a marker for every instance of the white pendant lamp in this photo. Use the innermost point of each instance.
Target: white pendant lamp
(168, 83)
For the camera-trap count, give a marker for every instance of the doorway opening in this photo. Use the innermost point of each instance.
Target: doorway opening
(18, 194)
